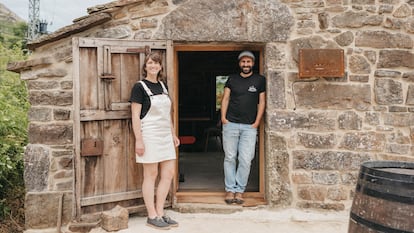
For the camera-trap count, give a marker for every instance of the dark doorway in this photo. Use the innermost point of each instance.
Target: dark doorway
(201, 78)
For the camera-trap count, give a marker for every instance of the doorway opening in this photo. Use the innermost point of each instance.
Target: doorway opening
(201, 74)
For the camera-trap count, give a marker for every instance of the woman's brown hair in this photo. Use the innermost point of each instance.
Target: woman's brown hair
(156, 57)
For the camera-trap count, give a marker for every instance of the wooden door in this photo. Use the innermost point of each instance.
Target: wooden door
(104, 74)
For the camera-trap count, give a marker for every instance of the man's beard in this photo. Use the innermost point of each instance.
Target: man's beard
(246, 69)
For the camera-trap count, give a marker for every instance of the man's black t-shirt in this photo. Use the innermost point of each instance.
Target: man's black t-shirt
(139, 95)
(244, 97)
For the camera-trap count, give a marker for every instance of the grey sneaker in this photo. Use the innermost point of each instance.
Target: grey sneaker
(158, 223)
(169, 221)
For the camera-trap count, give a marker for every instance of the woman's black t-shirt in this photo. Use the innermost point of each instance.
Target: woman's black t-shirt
(139, 95)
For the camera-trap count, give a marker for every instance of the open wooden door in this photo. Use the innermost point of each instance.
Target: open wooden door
(104, 72)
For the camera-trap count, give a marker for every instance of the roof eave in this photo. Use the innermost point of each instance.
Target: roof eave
(79, 26)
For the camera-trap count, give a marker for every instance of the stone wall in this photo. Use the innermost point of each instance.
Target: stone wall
(48, 160)
(317, 131)
(326, 127)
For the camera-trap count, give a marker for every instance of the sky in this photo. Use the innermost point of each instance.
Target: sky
(57, 13)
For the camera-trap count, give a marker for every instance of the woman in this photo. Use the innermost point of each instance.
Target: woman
(155, 139)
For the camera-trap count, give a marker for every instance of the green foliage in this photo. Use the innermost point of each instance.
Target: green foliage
(13, 118)
(13, 34)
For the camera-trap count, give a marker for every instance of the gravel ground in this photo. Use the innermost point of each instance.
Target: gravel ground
(248, 221)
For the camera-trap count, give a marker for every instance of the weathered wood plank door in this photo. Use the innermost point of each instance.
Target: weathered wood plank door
(104, 73)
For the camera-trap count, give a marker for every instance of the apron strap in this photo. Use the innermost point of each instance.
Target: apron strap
(149, 92)
(163, 87)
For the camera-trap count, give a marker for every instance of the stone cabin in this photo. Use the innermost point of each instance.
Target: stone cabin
(316, 132)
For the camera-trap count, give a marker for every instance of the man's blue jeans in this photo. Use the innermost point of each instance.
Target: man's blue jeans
(239, 143)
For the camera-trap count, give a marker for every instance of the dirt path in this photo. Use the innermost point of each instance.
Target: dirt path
(249, 221)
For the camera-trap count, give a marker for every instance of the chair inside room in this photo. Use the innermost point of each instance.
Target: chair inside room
(214, 132)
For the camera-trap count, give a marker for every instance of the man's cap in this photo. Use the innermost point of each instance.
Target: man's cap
(246, 54)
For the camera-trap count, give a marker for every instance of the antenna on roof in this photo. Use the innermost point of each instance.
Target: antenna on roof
(36, 26)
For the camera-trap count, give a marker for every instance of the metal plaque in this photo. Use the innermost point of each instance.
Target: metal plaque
(321, 63)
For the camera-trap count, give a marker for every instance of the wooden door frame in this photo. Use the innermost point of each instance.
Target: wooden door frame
(252, 198)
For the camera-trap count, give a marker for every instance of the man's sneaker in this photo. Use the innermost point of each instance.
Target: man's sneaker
(158, 223)
(239, 198)
(229, 198)
(169, 221)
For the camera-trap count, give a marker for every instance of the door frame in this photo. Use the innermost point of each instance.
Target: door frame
(251, 198)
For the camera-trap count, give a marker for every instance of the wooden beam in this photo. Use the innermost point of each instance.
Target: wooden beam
(251, 198)
(100, 199)
(96, 115)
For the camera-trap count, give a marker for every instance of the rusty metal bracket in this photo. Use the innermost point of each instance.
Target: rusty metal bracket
(106, 76)
(91, 147)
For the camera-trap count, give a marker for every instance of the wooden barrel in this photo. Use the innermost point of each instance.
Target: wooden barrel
(384, 198)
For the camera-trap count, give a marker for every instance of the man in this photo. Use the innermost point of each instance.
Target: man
(242, 109)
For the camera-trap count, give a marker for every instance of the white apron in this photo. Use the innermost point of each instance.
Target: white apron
(156, 129)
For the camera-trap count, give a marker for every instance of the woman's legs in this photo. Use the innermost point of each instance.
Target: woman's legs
(148, 187)
(167, 171)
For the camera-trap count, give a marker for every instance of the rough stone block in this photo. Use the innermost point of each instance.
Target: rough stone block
(36, 167)
(399, 119)
(337, 193)
(50, 134)
(115, 219)
(42, 85)
(57, 98)
(388, 92)
(359, 65)
(325, 178)
(383, 39)
(40, 114)
(42, 209)
(261, 27)
(332, 96)
(317, 141)
(328, 160)
(350, 121)
(313, 193)
(395, 58)
(366, 141)
(285, 121)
